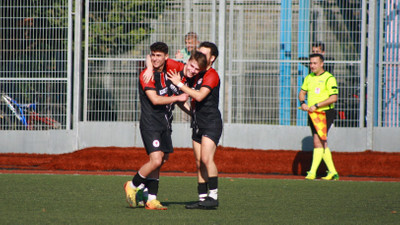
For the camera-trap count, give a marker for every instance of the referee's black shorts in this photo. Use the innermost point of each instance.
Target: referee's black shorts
(330, 117)
(157, 140)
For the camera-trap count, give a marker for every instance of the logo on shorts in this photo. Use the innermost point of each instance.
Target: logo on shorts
(156, 143)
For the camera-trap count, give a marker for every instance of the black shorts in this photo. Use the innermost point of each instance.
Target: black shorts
(157, 140)
(213, 133)
(330, 117)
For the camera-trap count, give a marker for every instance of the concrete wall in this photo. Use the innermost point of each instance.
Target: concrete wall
(263, 137)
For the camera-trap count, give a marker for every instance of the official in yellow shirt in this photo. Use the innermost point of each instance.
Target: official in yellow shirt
(321, 90)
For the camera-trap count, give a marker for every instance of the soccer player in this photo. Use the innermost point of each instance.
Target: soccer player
(207, 126)
(157, 98)
(321, 90)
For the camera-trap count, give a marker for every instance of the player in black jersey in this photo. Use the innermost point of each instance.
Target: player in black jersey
(157, 98)
(207, 126)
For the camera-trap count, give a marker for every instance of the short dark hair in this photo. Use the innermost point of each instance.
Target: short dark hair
(200, 58)
(212, 46)
(317, 55)
(319, 44)
(159, 47)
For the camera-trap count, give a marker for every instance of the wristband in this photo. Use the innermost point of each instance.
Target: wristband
(302, 102)
(316, 105)
(180, 84)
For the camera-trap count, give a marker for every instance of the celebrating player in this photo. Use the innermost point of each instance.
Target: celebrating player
(207, 126)
(156, 98)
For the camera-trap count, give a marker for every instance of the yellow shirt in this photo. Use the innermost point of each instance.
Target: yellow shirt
(319, 88)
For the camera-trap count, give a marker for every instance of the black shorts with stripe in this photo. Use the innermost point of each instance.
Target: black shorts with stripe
(213, 133)
(157, 140)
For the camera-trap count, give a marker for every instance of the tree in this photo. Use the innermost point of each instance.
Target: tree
(117, 26)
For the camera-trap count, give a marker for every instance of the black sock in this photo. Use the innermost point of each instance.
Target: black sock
(138, 180)
(152, 186)
(213, 183)
(202, 190)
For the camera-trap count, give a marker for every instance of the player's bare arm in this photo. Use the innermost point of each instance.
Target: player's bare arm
(164, 100)
(197, 95)
(148, 74)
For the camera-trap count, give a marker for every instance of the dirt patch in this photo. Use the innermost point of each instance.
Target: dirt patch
(230, 161)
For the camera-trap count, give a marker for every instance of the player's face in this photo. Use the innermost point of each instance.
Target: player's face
(317, 50)
(192, 68)
(158, 60)
(191, 44)
(207, 53)
(316, 65)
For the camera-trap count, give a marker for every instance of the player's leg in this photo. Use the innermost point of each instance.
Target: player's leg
(133, 189)
(152, 185)
(201, 177)
(208, 149)
(152, 143)
(159, 158)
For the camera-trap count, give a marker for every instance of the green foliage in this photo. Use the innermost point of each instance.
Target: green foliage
(36, 37)
(117, 26)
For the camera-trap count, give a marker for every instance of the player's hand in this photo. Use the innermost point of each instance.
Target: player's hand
(148, 75)
(183, 97)
(179, 55)
(174, 77)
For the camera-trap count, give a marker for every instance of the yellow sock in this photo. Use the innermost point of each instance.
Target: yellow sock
(327, 156)
(317, 158)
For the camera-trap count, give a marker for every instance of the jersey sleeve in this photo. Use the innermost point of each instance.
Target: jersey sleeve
(304, 86)
(331, 85)
(210, 79)
(174, 65)
(146, 86)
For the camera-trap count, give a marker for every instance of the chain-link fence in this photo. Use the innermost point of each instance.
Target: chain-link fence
(268, 43)
(390, 82)
(266, 58)
(34, 64)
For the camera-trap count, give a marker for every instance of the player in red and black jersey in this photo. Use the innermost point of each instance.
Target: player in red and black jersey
(207, 125)
(157, 98)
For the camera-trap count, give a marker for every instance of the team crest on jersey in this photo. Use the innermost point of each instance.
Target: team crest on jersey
(200, 81)
(317, 90)
(156, 143)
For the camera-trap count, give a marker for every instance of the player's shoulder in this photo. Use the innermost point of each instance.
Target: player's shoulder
(174, 63)
(142, 73)
(211, 72)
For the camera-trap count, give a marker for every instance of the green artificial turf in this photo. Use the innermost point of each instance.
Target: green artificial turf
(89, 199)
